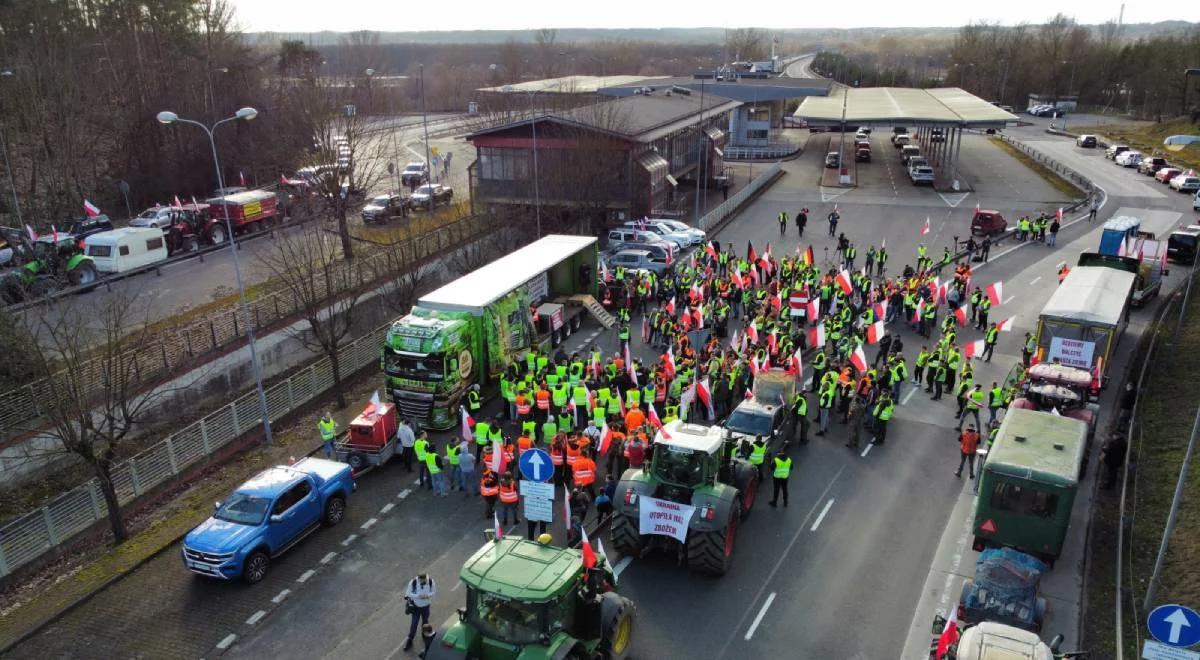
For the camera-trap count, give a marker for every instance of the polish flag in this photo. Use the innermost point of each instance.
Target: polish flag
(949, 635)
(670, 308)
(91, 209)
(589, 554)
(807, 256)
(919, 310)
(705, 394)
(816, 336)
(765, 260)
(242, 179)
(467, 424)
(596, 369)
(499, 460)
(973, 348)
(178, 204)
(777, 302)
(977, 209)
(670, 254)
(796, 368)
(881, 309)
(733, 341)
(669, 362)
(814, 309)
(1006, 325)
(960, 313)
(796, 302)
(754, 274)
(604, 274)
(771, 342)
(710, 250)
(1058, 214)
(698, 315)
(754, 369)
(752, 331)
(875, 332)
(604, 556)
(655, 421)
(645, 328)
(995, 293)
(925, 227)
(751, 255)
(606, 436)
(692, 261)
(567, 508)
(629, 366)
(283, 179)
(843, 280)
(859, 359)
(497, 531)
(737, 277)
(745, 342)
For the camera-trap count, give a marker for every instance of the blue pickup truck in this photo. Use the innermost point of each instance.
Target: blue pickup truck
(267, 515)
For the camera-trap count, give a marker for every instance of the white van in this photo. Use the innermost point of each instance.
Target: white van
(126, 248)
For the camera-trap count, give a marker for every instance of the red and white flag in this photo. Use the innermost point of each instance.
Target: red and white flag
(606, 436)
(705, 394)
(604, 274)
(814, 309)
(589, 554)
(91, 209)
(752, 331)
(178, 204)
(604, 556)
(497, 530)
(467, 425)
(645, 328)
(875, 332)
(1006, 325)
(949, 635)
(596, 368)
(670, 308)
(976, 209)
(283, 179)
(777, 303)
(816, 336)
(973, 349)
(925, 227)
(771, 342)
(733, 341)
(796, 368)
(499, 460)
(698, 315)
(843, 280)
(881, 309)
(960, 313)
(1058, 214)
(712, 251)
(31, 233)
(859, 359)
(652, 415)
(737, 276)
(919, 310)
(668, 359)
(995, 293)
(242, 179)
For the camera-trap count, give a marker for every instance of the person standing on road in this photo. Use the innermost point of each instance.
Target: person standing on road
(985, 248)
(783, 470)
(407, 439)
(783, 218)
(801, 221)
(489, 488)
(418, 599)
(967, 444)
(995, 401)
(433, 460)
(328, 429)
(421, 450)
(856, 422)
(508, 500)
(834, 216)
(468, 481)
(1052, 239)
(1094, 208)
(884, 408)
(989, 341)
(1027, 349)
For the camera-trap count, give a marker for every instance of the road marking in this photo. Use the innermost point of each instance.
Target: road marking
(761, 613)
(369, 524)
(280, 596)
(914, 388)
(830, 194)
(456, 586)
(404, 493)
(328, 557)
(1006, 300)
(622, 565)
(256, 617)
(867, 450)
(305, 575)
(349, 539)
(953, 204)
(227, 642)
(824, 511)
(387, 508)
(1035, 280)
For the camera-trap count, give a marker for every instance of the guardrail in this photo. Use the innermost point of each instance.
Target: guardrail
(729, 206)
(27, 538)
(218, 328)
(766, 152)
(1070, 175)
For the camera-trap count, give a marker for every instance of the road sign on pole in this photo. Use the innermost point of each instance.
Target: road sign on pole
(538, 498)
(535, 465)
(1174, 625)
(1152, 650)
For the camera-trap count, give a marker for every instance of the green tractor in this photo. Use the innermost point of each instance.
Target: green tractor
(534, 601)
(695, 466)
(44, 265)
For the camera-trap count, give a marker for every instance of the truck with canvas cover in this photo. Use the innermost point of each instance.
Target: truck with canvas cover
(1083, 321)
(469, 331)
(1027, 485)
(534, 601)
(694, 474)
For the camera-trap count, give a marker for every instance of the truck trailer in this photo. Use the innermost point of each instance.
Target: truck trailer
(1083, 321)
(469, 331)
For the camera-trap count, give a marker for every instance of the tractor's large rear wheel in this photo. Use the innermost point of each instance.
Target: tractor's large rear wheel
(83, 274)
(616, 626)
(625, 536)
(712, 552)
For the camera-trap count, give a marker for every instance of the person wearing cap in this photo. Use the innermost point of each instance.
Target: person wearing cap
(968, 442)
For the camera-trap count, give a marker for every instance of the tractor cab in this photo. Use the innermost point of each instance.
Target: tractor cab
(685, 459)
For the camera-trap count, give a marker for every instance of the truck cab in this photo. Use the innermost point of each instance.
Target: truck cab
(428, 364)
(768, 413)
(265, 517)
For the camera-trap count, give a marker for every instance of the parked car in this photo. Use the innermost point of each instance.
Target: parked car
(698, 236)
(988, 223)
(1186, 183)
(642, 259)
(1182, 244)
(156, 216)
(414, 174)
(833, 160)
(864, 129)
(626, 238)
(862, 155)
(678, 239)
(860, 135)
(126, 248)
(901, 139)
(899, 130)
(265, 516)
(434, 193)
(909, 151)
(1196, 201)
(1129, 159)
(384, 207)
(921, 174)
(1152, 164)
(1086, 141)
(1115, 150)
(1165, 175)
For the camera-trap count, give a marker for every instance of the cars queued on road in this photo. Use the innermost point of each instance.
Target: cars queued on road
(1184, 181)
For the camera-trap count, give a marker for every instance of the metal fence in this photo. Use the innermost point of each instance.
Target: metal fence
(729, 206)
(25, 539)
(218, 328)
(771, 151)
(1071, 176)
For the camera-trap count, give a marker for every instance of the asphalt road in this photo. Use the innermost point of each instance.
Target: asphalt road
(840, 574)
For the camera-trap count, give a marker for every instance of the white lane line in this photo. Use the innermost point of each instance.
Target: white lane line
(817, 522)
(349, 539)
(416, 483)
(305, 575)
(867, 450)
(1035, 280)
(914, 388)
(456, 586)
(387, 508)
(369, 524)
(280, 596)
(1007, 300)
(328, 557)
(622, 565)
(256, 617)
(404, 493)
(227, 642)
(761, 613)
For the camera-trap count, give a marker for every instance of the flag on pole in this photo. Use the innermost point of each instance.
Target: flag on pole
(733, 341)
(705, 395)
(960, 313)
(698, 315)
(596, 369)
(881, 309)
(606, 436)
(499, 460)
(976, 208)
(497, 530)
(589, 554)
(1006, 325)
(807, 256)
(710, 250)
(859, 359)
(771, 341)
(645, 328)
(91, 209)
(875, 332)
(995, 293)
(54, 233)
(194, 200)
(814, 309)
(670, 308)
(777, 303)
(752, 331)
(751, 255)
(1058, 214)
(652, 415)
(973, 348)
(796, 367)
(178, 204)
(32, 234)
(843, 280)
(669, 363)
(604, 274)
(242, 178)
(283, 179)
(949, 635)
(373, 405)
(919, 310)
(467, 425)
(737, 276)
(604, 556)
(925, 227)
(816, 336)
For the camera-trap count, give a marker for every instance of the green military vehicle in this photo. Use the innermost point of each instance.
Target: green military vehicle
(692, 467)
(534, 601)
(468, 331)
(1028, 483)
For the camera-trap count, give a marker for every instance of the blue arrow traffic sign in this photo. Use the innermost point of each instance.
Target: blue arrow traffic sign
(535, 465)
(1174, 625)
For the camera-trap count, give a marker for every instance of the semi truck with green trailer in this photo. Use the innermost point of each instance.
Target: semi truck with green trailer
(469, 331)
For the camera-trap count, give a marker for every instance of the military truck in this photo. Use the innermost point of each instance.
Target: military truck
(1028, 483)
(692, 465)
(534, 601)
(470, 330)
(768, 413)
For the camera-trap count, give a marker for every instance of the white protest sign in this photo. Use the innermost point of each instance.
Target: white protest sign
(1072, 352)
(664, 517)
(538, 498)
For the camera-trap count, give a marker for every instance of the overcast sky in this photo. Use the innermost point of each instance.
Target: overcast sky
(396, 15)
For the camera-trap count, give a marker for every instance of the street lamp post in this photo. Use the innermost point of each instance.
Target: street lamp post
(168, 117)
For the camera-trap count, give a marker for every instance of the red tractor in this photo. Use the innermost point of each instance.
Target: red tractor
(1062, 389)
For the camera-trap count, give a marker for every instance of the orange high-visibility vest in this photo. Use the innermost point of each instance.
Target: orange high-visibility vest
(488, 491)
(556, 455)
(523, 407)
(543, 400)
(524, 442)
(572, 454)
(508, 494)
(585, 472)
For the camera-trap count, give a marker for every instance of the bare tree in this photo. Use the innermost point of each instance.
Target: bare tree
(746, 44)
(308, 263)
(546, 39)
